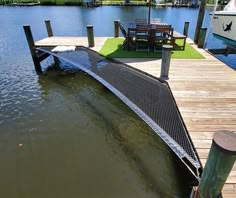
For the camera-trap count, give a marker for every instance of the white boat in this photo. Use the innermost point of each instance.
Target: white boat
(224, 24)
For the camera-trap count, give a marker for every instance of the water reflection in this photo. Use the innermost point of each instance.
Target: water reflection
(101, 64)
(78, 137)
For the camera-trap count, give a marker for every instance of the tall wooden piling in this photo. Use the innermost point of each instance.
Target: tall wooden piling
(149, 11)
(50, 34)
(31, 45)
(221, 159)
(165, 64)
(90, 35)
(116, 28)
(49, 28)
(186, 27)
(202, 36)
(199, 20)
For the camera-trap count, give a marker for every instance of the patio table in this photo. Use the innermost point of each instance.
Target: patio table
(132, 29)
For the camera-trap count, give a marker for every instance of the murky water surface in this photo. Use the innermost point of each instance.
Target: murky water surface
(70, 136)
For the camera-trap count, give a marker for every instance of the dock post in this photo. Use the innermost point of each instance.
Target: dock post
(116, 28)
(50, 34)
(202, 36)
(31, 45)
(49, 28)
(165, 64)
(90, 35)
(199, 20)
(220, 161)
(186, 26)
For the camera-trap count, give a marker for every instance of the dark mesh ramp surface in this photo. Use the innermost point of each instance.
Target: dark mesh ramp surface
(150, 98)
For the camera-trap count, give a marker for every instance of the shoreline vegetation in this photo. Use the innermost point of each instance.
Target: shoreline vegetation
(95, 3)
(71, 2)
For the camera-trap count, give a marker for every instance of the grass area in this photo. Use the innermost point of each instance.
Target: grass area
(112, 49)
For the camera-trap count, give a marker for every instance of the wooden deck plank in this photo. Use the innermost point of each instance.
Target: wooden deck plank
(70, 41)
(65, 41)
(209, 128)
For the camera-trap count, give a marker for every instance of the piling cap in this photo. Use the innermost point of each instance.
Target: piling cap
(225, 141)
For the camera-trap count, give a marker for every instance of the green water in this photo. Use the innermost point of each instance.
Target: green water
(78, 140)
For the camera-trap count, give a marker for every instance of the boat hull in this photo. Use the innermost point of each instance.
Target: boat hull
(224, 26)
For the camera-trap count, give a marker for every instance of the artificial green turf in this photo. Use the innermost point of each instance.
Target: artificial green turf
(112, 49)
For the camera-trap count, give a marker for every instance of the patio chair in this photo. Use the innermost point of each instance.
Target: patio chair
(155, 20)
(128, 42)
(141, 21)
(163, 35)
(142, 37)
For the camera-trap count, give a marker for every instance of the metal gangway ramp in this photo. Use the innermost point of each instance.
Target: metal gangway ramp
(149, 97)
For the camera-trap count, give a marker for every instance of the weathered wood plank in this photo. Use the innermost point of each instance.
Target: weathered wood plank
(229, 189)
(203, 152)
(209, 128)
(202, 144)
(55, 41)
(210, 121)
(200, 100)
(201, 106)
(232, 177)
(228, 195)
(216, 114)
(201, 135)
(70, 41)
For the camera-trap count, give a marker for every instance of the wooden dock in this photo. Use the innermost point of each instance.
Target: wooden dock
(205, 92)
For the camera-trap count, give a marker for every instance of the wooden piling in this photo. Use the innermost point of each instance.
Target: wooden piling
(165, 64)
(50, 34)
(200, 20)
(149, 11)
(49, 28)
(202, 36)
(116, 28)
(221, 159)
(90, 35)
(186, 26)
(31, 45)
